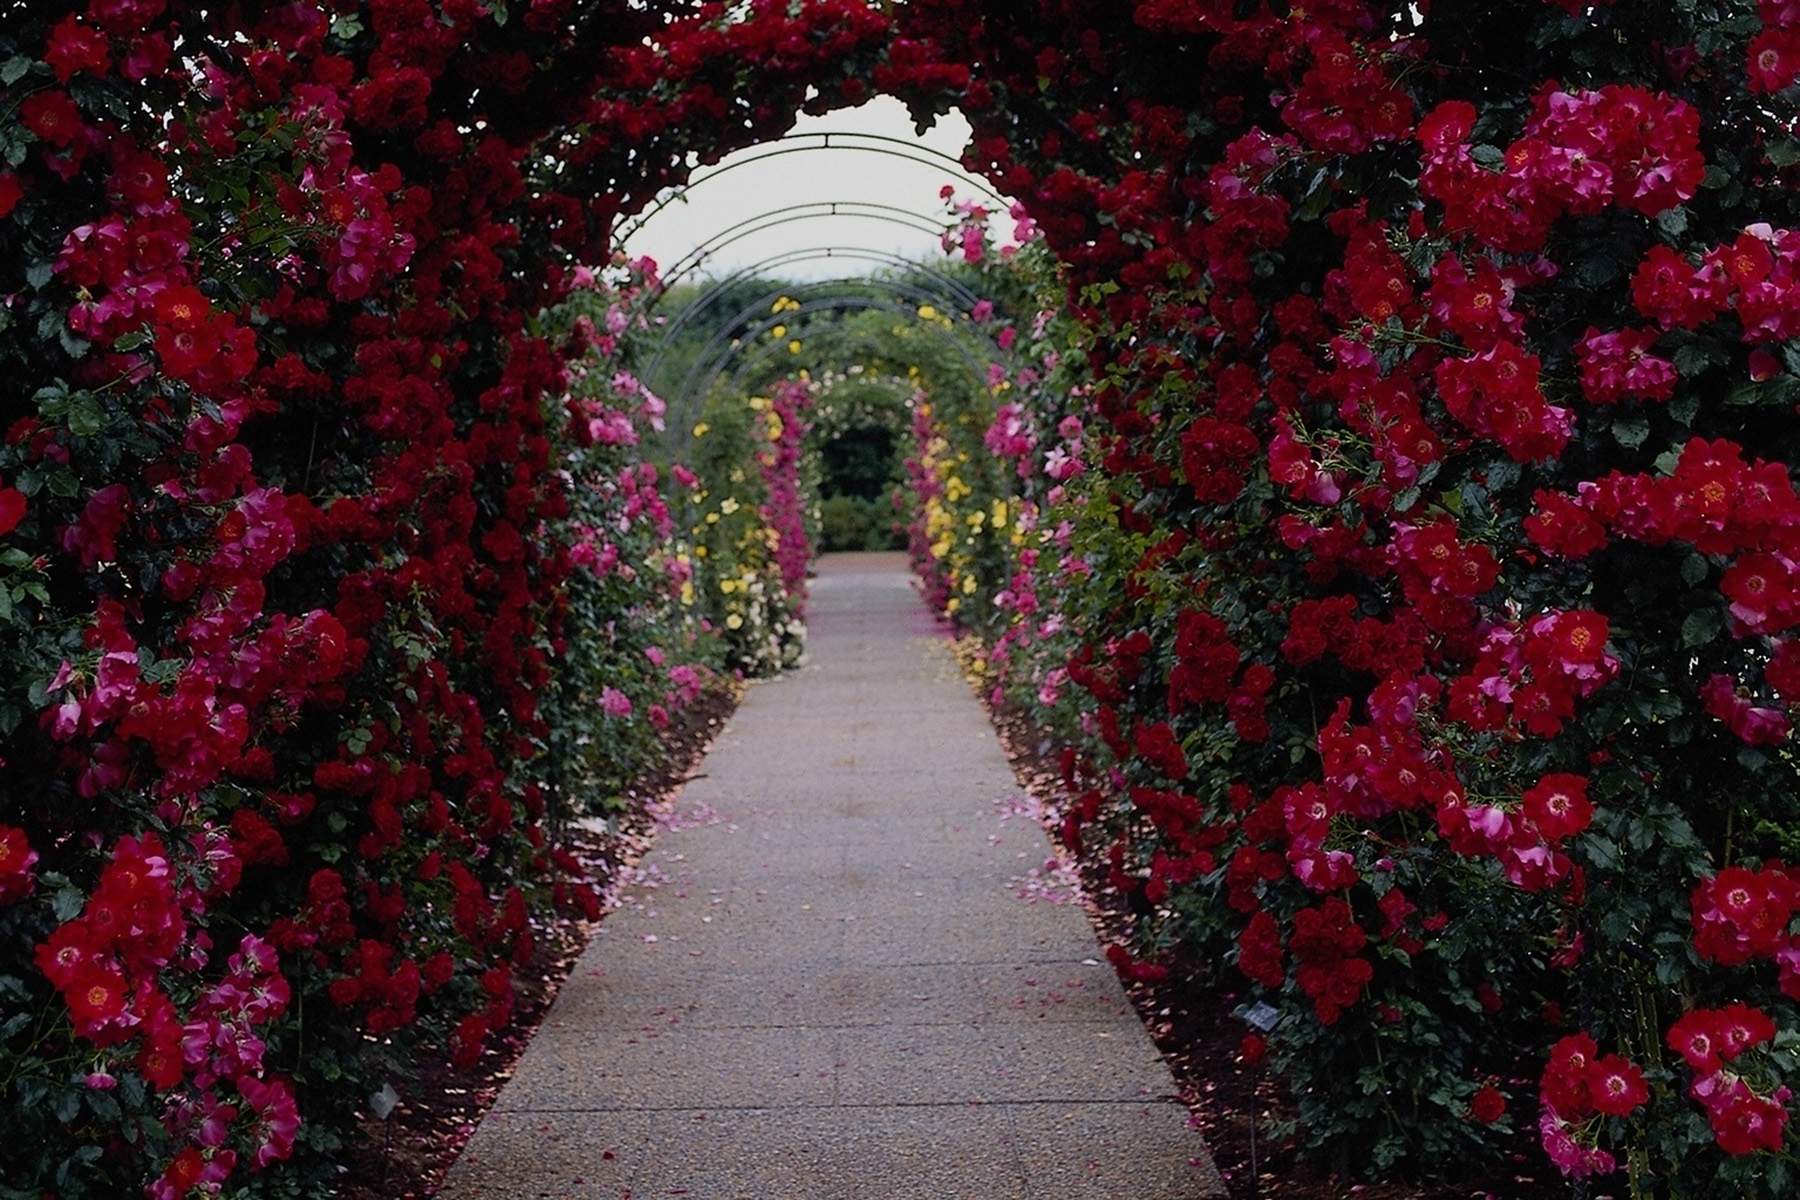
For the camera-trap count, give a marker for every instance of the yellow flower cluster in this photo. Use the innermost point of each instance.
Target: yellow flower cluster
(952, 531)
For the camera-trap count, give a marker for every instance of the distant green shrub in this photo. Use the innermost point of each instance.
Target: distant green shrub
(856, 523)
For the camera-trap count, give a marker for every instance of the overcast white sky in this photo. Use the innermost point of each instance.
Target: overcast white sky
(831, 174)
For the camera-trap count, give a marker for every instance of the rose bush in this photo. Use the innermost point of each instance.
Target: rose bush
(747, 535)
(330, 577)
(1415, 607)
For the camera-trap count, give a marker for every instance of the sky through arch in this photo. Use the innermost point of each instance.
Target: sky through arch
(821, 175)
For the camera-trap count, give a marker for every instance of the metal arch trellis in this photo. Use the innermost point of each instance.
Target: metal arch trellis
(719, 347)
(867, 143)
(977, 369)
(812, 253)
(842, 402)
(708, 370)
(705, 374)
(764, 353)
(832, 414)
(787, 214)
(956, 293)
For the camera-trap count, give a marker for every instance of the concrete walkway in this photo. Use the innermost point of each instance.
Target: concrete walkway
(834, 989)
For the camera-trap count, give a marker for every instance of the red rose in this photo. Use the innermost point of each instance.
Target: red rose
(73, 48)
(16, 859)
(1558, 806)
(53, 117)
(1488, 1105)
(1774, 59)
(12, 509)
(1616, 1086)
(95, 996)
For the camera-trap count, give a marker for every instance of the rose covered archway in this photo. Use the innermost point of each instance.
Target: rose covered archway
(1435, 541)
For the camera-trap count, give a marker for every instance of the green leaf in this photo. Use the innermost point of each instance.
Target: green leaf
(1631, 431)
(86, 417)
(16, 68)
(1781, 390)
(1694, 568)
(1602, 850)
(1701, 626)
(1502, 475)
(1784, 153)
(1697, 355)
(67, 902)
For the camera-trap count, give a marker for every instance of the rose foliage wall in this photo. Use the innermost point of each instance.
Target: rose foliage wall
(1402, 539)
(333, 575)
(1402, 544)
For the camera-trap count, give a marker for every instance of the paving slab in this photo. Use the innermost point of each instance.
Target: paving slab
(844, 974)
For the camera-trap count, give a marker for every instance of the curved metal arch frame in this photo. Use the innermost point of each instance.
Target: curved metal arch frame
(784, 258)
(887, 380)
(891, 147)
(719, 347)
(955, 291)
(686, 403)
(789, 213)
(977, 369)
(764, 354)
(901, 388)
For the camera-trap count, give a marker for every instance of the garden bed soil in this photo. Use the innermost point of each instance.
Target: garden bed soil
(407, 1156)
(1199, 1036)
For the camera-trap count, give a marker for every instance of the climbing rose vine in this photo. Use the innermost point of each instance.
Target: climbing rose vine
(1402, 547)
(325, 542)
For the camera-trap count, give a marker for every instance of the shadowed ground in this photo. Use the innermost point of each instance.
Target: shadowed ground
(828, 985)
